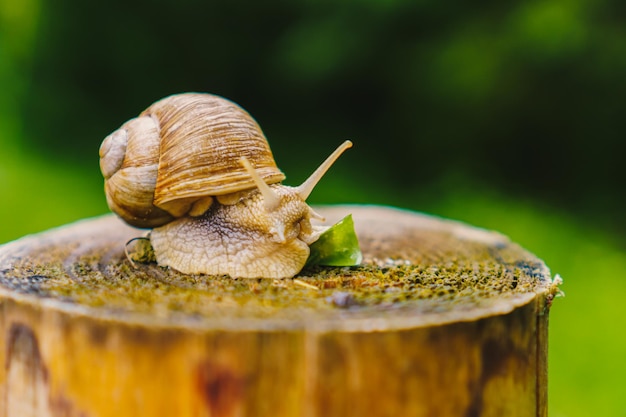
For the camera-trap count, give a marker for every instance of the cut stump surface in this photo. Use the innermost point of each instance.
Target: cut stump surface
(440, 319)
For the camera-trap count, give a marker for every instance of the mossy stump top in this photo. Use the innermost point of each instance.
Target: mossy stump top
(447, 319)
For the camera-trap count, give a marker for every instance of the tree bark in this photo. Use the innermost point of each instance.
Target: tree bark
(442, 319)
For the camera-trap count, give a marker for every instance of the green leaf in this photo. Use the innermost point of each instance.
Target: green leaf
(337, 246)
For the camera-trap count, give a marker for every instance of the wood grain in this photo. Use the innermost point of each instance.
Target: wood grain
(442, 319)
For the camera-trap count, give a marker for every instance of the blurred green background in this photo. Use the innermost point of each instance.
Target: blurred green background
(507, 115)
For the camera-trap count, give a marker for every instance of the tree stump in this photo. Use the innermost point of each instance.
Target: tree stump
(441, 319)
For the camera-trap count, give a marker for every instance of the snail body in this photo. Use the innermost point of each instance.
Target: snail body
(243, 239)
(198, 170)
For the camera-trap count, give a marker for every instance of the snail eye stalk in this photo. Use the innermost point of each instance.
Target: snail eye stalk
(270, 198)
(306, 188)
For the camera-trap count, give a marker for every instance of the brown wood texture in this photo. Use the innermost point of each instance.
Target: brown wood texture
(442, 319)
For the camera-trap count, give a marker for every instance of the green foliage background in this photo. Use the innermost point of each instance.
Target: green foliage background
(507, 115)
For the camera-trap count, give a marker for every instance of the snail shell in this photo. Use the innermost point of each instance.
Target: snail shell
(179, 151)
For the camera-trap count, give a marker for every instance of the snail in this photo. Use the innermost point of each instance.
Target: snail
(197, 170)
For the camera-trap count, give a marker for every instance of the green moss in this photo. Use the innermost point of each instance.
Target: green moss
(427, 267)
(376, 286)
